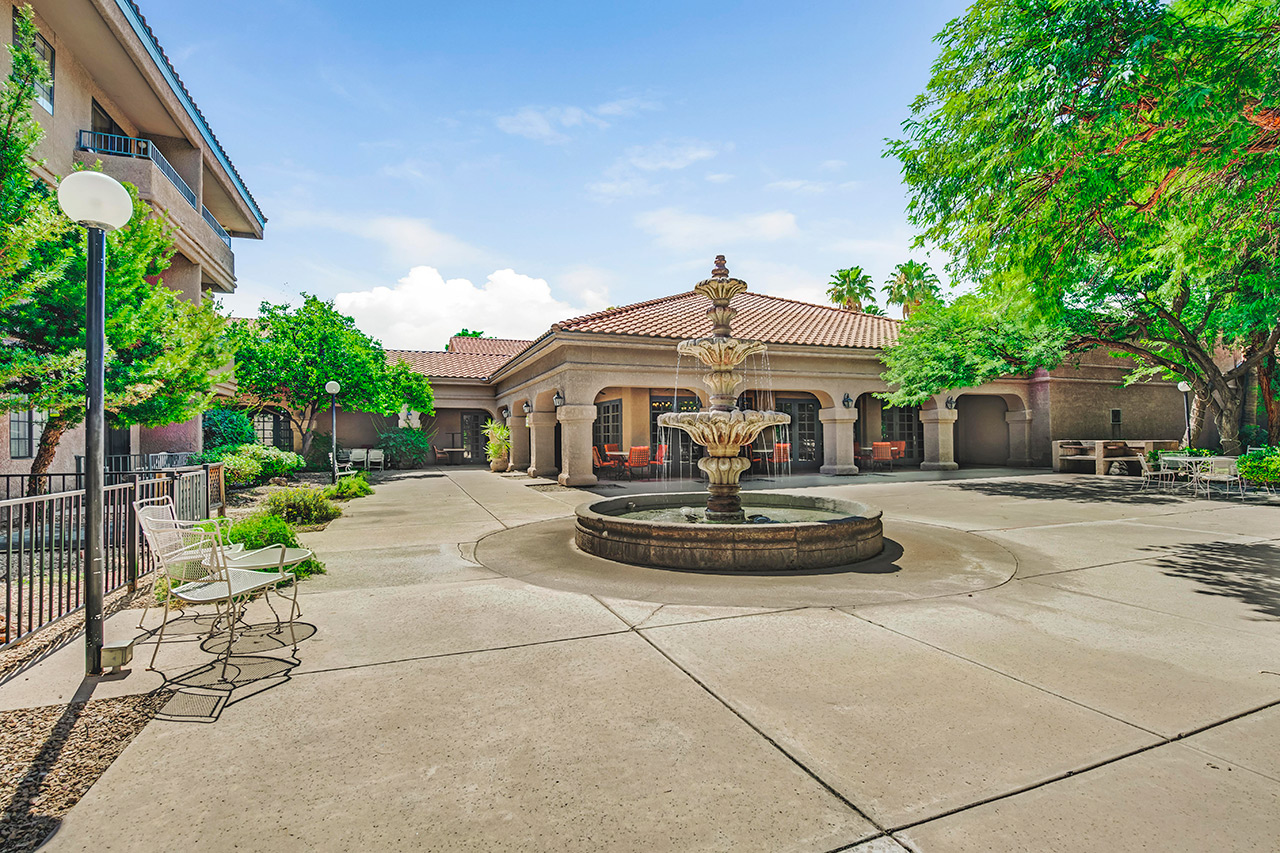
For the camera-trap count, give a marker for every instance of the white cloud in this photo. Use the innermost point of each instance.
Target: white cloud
(719, 178)
(669, 155)
(407, 240)
(421, 170)
(544, 124)
(680, 229)
(621, 184)
(627, 107)
(424, 309)
(807, 186)
(832, 165)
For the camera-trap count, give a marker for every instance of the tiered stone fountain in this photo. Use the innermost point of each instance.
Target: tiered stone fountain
(781, 532)
(724, 429)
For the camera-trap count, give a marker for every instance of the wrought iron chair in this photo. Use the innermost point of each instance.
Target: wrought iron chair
(781, 452)
(197, 566)
(1164, 478)
(1218, 472)
(611, 465)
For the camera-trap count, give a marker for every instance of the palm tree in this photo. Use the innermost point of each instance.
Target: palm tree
(851, 289)
(910, 285)
(874, 310)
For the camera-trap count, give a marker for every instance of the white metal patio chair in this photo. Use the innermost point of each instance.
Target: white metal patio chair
(1221, 473)
(359, 457)
(1163, 478)
(199, 567)
(377, 458)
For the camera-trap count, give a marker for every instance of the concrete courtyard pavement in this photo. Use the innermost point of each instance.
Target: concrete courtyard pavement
(1045, 663)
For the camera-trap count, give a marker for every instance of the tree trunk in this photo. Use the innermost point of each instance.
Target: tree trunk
(1267, 369)
(53, 432)
(1199, 406)
(1230, 404)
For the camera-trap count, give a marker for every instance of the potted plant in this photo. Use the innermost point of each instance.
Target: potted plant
(498, 450)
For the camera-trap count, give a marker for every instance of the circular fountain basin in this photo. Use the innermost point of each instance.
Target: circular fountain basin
(653, 530)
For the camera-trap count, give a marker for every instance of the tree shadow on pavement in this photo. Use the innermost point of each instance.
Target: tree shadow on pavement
(1247, 573)
(1114, 490)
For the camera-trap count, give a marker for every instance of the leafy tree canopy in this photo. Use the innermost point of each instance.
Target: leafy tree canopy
(911, 284)
(1107, 175)
(467, 333)
(285, 357)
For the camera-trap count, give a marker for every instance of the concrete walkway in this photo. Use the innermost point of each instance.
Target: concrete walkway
(1107, 680)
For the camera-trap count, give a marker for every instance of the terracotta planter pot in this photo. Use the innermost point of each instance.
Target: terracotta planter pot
(498, 465)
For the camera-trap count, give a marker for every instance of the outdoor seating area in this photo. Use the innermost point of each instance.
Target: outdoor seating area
(363, 459)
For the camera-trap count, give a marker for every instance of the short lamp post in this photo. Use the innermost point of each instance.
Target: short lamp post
(1185, 388)
(332, 388)
(100, 204)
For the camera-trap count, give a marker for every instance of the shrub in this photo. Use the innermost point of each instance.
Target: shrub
(355, 486)
(1261, 466)
(408, 447)
(240, 470)
(274, 461)
(302, 506)
(499, 435)
(262, 529)
(318, 453)
(226, 428)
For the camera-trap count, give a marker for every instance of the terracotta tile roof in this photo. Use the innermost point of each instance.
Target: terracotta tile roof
(771, 319)
(486, 346)
(450, 365)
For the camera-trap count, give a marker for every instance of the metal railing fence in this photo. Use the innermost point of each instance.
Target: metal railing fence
(128, 146)
(43, 541)
(216, 226)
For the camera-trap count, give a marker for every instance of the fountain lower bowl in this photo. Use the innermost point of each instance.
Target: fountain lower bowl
(850, 532)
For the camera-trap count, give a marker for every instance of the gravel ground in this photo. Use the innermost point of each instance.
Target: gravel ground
(49, 757)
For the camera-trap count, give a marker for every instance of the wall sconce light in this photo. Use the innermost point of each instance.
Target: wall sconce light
(848, 401)
(527, 407)
(557, 400)
(951, 403)
(506, 413)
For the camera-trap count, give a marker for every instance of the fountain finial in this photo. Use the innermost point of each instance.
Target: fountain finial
(720, 271)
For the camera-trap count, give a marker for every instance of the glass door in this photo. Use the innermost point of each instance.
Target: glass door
(804, 432)
(472, 442)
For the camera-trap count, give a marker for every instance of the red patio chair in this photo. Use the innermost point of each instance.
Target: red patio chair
(611, 448)
(882, 453)
(781, 452)
(601, 464)
(637, 458)
(660, 458)
(899, 449)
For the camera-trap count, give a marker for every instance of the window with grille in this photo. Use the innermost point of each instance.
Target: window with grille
(44, 50)
(273, 430)
(25, 429)
(903, 424)
(608, 426)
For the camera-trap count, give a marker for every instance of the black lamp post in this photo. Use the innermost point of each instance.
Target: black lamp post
(333, 388)
(101, 204)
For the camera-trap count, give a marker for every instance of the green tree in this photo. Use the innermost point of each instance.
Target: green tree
(1107, 175)
(910, 285)
(285, 357)
(467, 333)
(874, 310)
(29, 215)
(852, 289)
(162, 350)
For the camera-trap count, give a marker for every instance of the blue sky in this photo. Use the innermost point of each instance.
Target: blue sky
(500, 166)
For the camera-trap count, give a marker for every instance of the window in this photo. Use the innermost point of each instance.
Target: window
(904, 425)
(608, 426)
(273, 430)
(25, 429)
(103, 122)
(44, 94)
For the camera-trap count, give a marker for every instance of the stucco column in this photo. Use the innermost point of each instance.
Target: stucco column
(542, 444)
(575, 445)
(837, 440)
(519, 443)
(939, 440)
(1019, 438)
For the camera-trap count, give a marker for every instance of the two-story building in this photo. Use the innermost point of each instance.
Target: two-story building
(116, 99)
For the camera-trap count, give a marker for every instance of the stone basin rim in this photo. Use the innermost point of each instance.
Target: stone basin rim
(851, 510)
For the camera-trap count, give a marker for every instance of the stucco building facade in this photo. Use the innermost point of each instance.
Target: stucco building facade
(604, 379)
(117, 100)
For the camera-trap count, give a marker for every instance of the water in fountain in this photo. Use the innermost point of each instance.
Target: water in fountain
(723, 429)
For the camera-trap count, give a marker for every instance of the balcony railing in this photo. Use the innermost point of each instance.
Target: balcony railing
(217, 229)
(128, 146)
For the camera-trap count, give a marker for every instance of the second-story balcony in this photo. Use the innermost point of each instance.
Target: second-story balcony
(128, 146)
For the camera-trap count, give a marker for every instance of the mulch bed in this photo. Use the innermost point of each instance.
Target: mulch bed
(49, 758)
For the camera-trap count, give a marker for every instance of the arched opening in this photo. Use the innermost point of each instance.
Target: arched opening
(900, 424)
(981, 431)
(804, 433)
